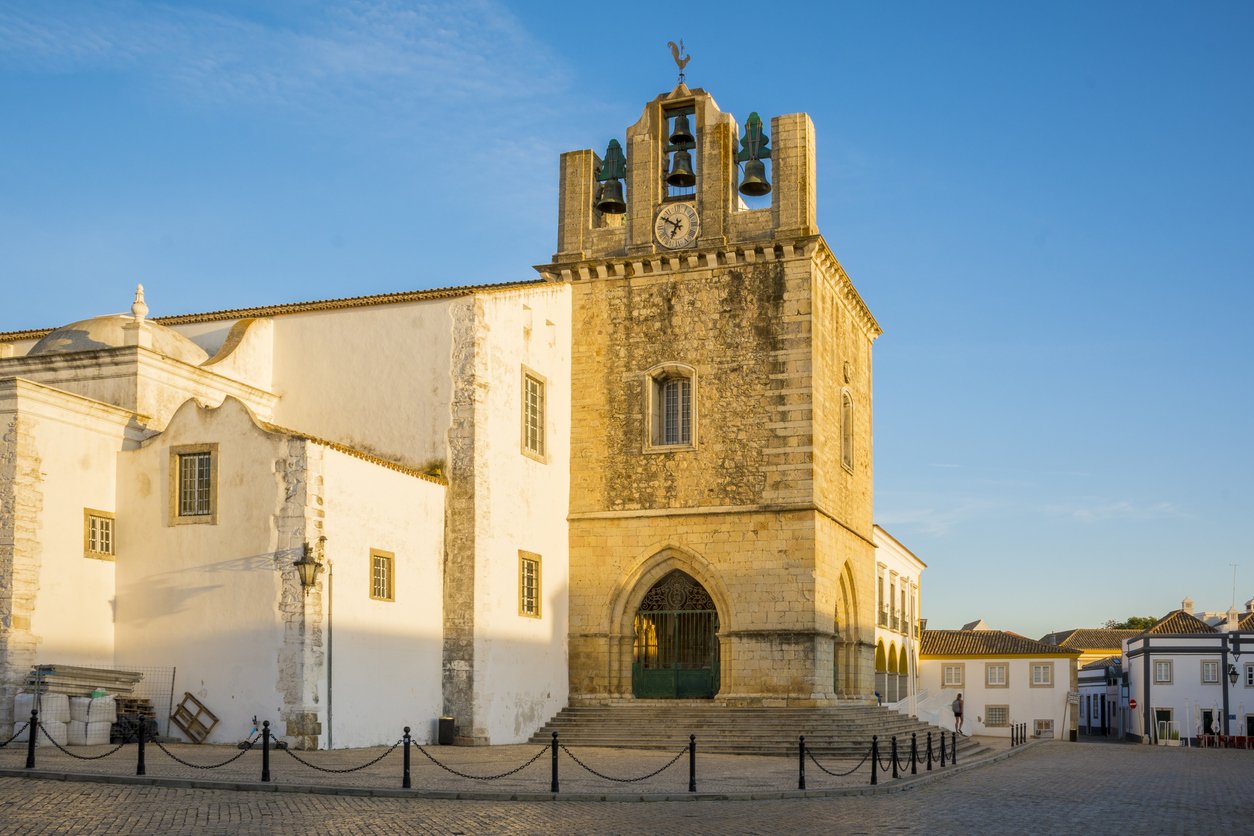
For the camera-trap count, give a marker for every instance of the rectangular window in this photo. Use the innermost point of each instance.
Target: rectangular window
(1249, 676)
(97, 534)
(676, 411)
(1043, 676)
(1162, 670)
(996, 675)
(529, 584)
(194, 484)
(1042, 728)
(1210, 671)
(996, 715)
(952, 676)
(533, 415)
(382, 575)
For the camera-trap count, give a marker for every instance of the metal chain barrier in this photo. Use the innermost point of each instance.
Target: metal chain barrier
(301, 760)
(483, 777)
(659, 771)
(71, 754)
(906, 765)
(884, 768)
(839, 774)
(16, 734)
(230, 760)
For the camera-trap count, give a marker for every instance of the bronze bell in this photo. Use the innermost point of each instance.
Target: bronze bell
(681, 173)
(610, 201)
(682, 135)
(754, 183)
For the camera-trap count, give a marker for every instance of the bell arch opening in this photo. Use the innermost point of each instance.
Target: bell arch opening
(675, 654)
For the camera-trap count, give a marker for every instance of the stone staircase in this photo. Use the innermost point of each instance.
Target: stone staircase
(835, 731)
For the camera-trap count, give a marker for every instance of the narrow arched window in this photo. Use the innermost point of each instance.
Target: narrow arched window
(670, 407)
(846, 430)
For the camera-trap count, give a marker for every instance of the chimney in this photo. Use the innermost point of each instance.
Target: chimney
(1187, 605)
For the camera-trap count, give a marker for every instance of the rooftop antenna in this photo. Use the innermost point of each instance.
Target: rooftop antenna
(680, 62)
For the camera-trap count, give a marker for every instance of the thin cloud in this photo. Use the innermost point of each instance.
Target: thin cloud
(1098, 509)
(938, 521)
(398, 56)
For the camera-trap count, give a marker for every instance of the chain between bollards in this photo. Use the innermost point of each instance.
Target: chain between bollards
(553, 783)
(30, 738)
(265, 751)
(692, 763)
(801, 762)
(875, 759)
(405, 781)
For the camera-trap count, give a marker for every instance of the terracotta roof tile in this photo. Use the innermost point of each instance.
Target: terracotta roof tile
(1178, 622)
(1090, 638)
(1246, 621)
(1107, 662)
(985, 643)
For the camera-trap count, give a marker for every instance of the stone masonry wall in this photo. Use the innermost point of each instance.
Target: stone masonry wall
(21, 503)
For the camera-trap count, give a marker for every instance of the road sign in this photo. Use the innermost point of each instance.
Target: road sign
(1131, 703)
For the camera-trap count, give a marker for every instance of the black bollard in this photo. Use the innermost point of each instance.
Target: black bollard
(875, 759)
(405, 782)
(265, 751)
(32, 729)
(914, 753)
(140, 768)
(929, 751)
(692, 763)
(1013, 731)
(553, 782)
(942, 750)
(953, 756)
(894, 742)
(801, 762)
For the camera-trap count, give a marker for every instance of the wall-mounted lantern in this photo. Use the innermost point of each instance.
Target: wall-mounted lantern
(309, 566)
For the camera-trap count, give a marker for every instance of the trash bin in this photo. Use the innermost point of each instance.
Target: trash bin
(448, 731)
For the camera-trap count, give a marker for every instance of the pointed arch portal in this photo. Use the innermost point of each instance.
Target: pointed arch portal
(675, 653)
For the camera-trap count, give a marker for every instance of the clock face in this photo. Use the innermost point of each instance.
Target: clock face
(677, 225)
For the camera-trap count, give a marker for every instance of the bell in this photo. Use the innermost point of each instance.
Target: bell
(610, 201)
(681, 173)
(682, 135)
(754, 183)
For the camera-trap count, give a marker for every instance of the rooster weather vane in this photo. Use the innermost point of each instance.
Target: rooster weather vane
(679, 62)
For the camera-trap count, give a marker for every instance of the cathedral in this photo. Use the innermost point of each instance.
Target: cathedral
(646, 474)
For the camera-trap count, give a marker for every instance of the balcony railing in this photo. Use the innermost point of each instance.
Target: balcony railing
(883, 618)
(896, 621)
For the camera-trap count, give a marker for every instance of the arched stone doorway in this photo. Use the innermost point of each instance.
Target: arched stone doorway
(675, 654)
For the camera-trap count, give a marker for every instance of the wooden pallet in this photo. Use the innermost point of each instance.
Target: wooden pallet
(193, 718)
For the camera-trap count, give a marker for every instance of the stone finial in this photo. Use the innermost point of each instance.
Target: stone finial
(139, 309)
(1187, 605)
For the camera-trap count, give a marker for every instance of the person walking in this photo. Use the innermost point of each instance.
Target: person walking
(957, 707)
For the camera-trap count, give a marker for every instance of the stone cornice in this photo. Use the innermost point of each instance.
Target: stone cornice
(49, 402)
(698, 258)
(826, 261)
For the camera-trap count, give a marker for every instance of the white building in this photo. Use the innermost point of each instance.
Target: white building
(1185, 675)
(1005, 679)
(898, 577)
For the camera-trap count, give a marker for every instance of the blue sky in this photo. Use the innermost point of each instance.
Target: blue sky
(1049, 207)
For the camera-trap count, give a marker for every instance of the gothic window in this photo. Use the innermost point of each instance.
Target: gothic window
(846, 429)
(670, 393)
(194, 484)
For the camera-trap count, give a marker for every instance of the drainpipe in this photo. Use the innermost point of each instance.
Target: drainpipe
(330, 645)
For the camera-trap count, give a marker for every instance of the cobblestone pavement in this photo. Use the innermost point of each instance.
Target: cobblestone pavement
(1046, 788)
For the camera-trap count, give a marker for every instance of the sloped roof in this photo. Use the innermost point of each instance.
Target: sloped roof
(1085, 638)
(1246, 622)
(985, 643)
(1107, 662)
(1178, 622)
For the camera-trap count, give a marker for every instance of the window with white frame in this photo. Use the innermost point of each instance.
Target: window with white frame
(194, 484)
(1042, 728)
(1043, 675)
(529, 584)
(996, 675)
(382, 575)
(996, 715)
(952, 676)
(671, 393)
(533, 415)
(97, 534)
(1162, 670)
(1210, 671)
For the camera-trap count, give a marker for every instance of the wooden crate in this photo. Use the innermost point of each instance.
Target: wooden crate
(193, 718)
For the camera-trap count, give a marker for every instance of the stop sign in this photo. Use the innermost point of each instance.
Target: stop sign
(1131, 703)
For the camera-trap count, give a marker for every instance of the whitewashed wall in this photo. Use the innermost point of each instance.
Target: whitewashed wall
(1026, 702)
(1186, 695)
(205, 598)
(521, 673)
(385, 656)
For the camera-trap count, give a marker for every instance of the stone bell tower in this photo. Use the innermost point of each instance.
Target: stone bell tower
(721, 509)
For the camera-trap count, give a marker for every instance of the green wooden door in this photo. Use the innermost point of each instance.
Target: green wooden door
(676, 642)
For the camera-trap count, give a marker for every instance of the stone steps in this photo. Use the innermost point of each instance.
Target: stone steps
(841, 731)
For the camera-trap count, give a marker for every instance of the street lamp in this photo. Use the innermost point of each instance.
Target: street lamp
(308, 566)
(1232, 674)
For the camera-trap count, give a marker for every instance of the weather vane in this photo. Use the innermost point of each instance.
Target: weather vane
(679, 62)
